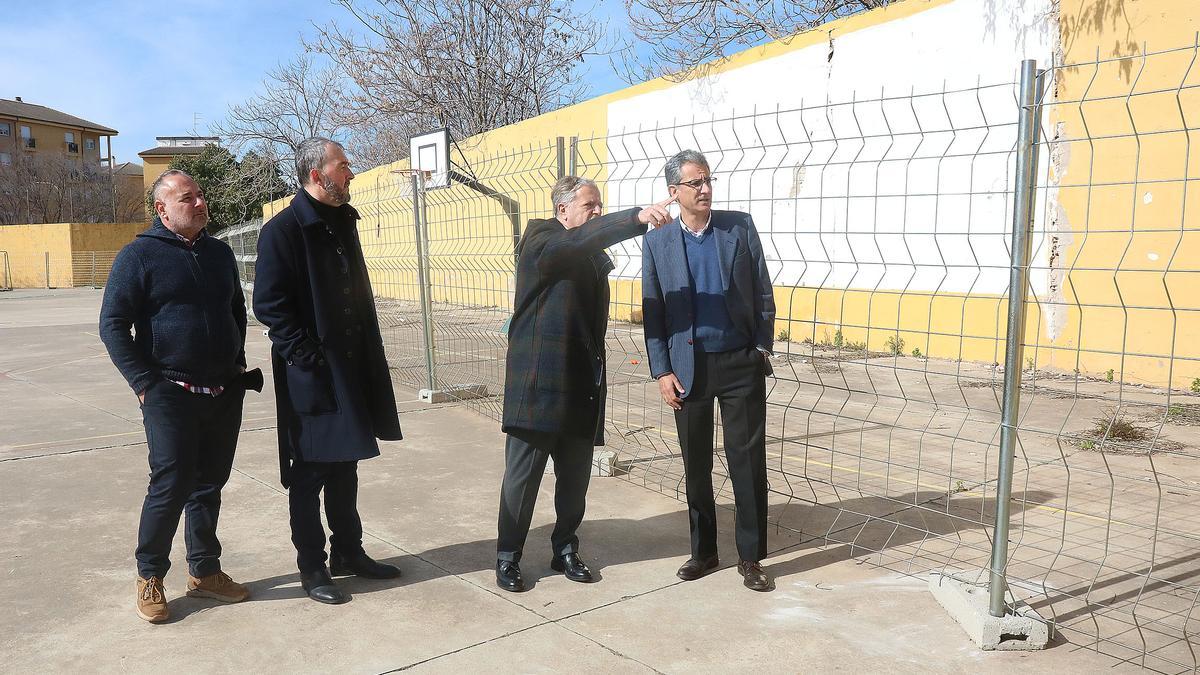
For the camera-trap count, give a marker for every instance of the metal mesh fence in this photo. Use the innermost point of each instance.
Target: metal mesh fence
(55, 269)
(887, 222)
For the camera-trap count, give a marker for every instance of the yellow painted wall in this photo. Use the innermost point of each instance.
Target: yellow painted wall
(27, 246)
(152, 168)
(471, 243)
(103, 237)
(69, 246)
(1135, 220)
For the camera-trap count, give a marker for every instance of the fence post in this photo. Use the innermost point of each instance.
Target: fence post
(574, 161)
(94, 284)
(47, 254)
(421, 225)
(1018, 285)
(562, 156)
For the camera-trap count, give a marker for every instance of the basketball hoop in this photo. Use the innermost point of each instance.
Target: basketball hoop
(430, 154)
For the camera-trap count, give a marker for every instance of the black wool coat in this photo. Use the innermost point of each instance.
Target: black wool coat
(333, 390)
(555, 373)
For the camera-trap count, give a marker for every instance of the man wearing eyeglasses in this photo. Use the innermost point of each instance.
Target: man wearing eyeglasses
(709, 314)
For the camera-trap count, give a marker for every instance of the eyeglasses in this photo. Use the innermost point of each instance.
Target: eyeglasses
(699, 182)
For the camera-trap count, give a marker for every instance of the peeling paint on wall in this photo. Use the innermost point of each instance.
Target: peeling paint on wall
(1060, 238)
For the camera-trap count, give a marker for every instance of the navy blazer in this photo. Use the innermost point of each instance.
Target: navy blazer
(667, 292)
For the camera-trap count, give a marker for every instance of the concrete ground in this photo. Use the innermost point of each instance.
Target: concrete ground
(73, 473)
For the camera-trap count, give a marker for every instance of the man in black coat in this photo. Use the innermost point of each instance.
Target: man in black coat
(178, 289)
(333, 389)
(554, 385)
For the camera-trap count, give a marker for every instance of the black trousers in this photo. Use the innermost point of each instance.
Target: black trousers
(737, 380)
(191, 439)
(340, 482)
(524, 464)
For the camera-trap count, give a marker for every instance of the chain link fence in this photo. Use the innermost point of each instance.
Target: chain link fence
(888, 225)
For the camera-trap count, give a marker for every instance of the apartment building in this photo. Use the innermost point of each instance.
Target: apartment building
(28, 129)
(166, 148)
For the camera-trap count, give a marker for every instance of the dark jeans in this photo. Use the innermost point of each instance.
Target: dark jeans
(191, 438)
(524, 464)
(737, 380)
(340, 482)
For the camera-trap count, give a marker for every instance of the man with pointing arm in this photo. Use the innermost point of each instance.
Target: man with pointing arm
(555, 382)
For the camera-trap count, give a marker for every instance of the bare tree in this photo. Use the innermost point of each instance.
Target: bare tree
(298, 100)
(468, 65)
(130, 198)
(54, 189)
(685, 37)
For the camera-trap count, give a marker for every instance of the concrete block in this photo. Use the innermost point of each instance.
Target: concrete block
(604, 463)
(1022, 629)
(456, 393)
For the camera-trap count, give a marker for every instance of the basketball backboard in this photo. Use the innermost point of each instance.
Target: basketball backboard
(430, 152)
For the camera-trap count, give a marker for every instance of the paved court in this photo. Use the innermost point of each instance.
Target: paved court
(73, 472)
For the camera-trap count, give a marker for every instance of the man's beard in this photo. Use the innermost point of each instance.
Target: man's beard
(339, 194)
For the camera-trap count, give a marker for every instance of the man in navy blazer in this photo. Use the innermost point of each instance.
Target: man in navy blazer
(709, 314)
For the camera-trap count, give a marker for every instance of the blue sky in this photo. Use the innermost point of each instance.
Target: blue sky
(146, 68)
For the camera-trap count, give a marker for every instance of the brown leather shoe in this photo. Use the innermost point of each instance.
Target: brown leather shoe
(754, 576)
(218, 587)
(694, 569)
(152, 600)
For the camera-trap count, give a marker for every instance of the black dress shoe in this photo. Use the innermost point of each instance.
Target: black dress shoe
(754, 576)
(694, 569)
(572, 567)
(508, 576)
(362, 565)
(320, 587)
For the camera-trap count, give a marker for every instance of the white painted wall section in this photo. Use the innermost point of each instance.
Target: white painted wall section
(881, 159)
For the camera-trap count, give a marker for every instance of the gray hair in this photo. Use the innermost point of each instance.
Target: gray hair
(674, 166)
(157, 187)
(310, 154)
(567, 187)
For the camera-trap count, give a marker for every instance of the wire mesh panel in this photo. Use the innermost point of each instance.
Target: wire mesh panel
(1112, 379)
(473, 227)
(886, 223)
(91, 268)
(386, 233)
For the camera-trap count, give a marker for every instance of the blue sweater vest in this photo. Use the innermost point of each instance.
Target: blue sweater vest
(712, 327)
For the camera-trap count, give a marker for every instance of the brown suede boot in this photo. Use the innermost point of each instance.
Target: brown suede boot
(218, 587)
(152, 600)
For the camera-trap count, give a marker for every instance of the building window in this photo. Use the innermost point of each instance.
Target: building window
(89, 143)
(69, 136)
(5, 129)
(25, 133)
(5, 159)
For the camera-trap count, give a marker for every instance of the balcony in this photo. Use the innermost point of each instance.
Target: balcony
(73, 148)
(30, 143)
